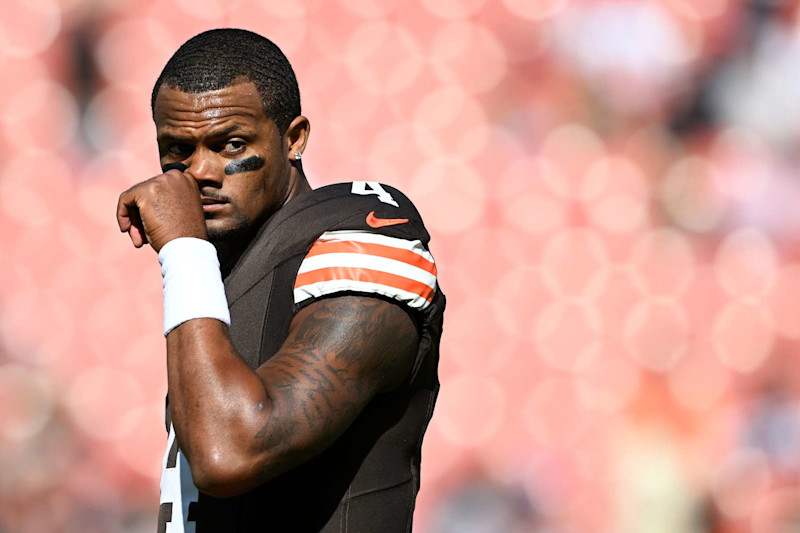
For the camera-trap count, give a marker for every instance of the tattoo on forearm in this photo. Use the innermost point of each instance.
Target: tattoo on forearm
(315, 373)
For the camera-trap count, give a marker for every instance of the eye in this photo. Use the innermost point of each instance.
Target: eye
(235, 146)
(180, 149)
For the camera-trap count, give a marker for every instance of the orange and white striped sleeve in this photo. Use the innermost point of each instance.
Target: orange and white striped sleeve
(366, 262)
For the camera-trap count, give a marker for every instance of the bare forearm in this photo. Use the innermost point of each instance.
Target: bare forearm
(217, 403)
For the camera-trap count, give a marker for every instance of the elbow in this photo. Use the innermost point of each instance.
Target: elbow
(228, 464)
(222, 475)
(225, 474)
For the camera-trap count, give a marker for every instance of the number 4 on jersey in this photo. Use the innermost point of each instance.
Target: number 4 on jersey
(373, 187)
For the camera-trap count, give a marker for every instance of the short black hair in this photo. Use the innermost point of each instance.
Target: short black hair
(216, 59)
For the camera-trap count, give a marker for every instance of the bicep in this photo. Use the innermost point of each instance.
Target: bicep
(340, 352)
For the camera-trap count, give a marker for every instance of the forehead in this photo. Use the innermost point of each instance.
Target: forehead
(238, 103)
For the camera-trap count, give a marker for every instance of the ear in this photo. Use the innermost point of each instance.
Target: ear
(296, 137)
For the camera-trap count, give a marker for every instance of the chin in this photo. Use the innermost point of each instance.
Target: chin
(223, 233)
(220, 235)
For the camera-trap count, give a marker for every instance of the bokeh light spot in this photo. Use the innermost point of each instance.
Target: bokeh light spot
(656, 333)
(574, 149)
(383, 57)
(26, 401)
(743, 335)
(613, 174)
(553, 415)
(29, 28)
(371, 9)
(745, 264)
(699, 380)
(34, 187)
(740, 481)
(607, 382)
(784, 301)
(129, 56)
(708, 9)
(476, 264)
(399, 150)
(449, 194)
(519, 296)
(662, 263)
(621, 213)
(614, 294)
(775, 511)
(98, 399)
(472, 338)
(568, 334)
(456, 119)
(453, 9)
(528, 176)
(468, 55)
(744, 161)
(43, 114)
(536, 214)
(284, 23)
(691, 195)
(570, 260)
(38, 321)
(110, 117)
(208, 9)
(467, 419)
(143, 449)
(25, 72)
(288, 10)
(129, 170)
(537, 10)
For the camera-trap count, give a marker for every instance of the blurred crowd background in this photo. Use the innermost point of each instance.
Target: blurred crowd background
(613, 195)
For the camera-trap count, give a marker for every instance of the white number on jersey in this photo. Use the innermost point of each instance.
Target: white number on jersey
(373, 187)
(178, 491)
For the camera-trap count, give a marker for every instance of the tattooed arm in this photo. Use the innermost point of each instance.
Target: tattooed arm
(240, 428)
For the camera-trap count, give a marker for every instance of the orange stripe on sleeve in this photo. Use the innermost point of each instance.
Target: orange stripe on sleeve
(379, 250)
(367, 275)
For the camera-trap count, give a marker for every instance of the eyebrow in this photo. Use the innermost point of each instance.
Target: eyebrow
(169, 137)
(226, 131)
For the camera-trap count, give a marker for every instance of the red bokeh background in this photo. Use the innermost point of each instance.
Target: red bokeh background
(612, 192)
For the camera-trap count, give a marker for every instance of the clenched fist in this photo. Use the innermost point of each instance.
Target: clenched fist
(161, 209)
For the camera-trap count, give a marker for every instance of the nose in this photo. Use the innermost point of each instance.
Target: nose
(204, 168)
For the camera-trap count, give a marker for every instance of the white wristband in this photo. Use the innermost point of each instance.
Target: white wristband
(192, 282)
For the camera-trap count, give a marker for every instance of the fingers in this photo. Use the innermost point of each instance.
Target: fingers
(160, 209)
(136, 231)
(129, 219)
(123, 219)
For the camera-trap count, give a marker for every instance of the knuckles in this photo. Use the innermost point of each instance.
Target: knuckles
(168, 206)
(172, 182)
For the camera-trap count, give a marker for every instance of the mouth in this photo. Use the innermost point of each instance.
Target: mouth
(211, 205)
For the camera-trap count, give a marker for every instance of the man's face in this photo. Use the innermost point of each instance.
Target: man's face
(231, 148)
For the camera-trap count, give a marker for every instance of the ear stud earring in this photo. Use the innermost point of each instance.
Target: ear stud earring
(298, 156)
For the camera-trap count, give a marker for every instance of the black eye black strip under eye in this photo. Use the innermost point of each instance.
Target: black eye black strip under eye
(170, 166)
(244, 165)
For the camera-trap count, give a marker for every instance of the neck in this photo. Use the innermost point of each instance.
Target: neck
(230, 250)
(298, 184)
